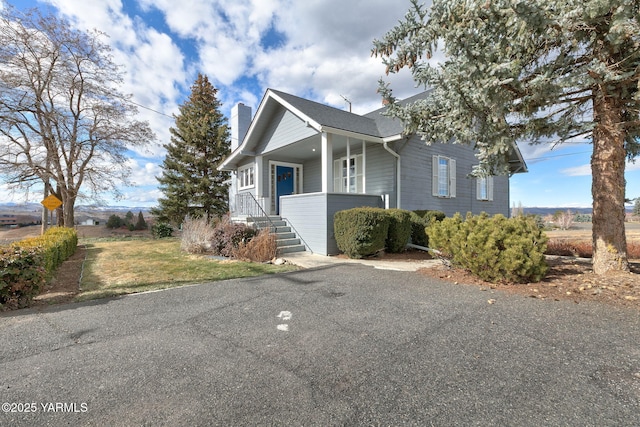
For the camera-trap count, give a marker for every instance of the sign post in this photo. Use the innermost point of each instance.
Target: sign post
(52, 203)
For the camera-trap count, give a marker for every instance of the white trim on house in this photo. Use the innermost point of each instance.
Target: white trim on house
(364, 166)
(258, 171)
(398, 173)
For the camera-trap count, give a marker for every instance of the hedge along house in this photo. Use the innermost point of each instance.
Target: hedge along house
(304, 161)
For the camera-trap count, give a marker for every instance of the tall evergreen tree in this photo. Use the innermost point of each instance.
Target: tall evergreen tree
(546, 71)
(141, 224)
(199, 141)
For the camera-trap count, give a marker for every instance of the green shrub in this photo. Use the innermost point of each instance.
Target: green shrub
(418, 230)
(22, 274)
(399, 230)
(161, 230)
(361, 231)
(420, 220)
(56, 245)
(115, 221)
(26, 265)
(431, 215)
(493, 248)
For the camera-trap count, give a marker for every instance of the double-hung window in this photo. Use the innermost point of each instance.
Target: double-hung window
(347, 175)
(444, 177)
(484, 188)
(245, 177)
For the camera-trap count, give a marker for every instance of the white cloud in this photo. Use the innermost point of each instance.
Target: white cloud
(143, 172)
(327, 52)
(140, 197)
(582, 170)
(585, 170)
(323, 52)
(632, 166)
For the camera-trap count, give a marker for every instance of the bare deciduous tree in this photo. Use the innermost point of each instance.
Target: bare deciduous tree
(565, 220)
(63, 120)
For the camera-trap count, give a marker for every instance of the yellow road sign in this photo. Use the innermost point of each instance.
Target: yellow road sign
(51, 202)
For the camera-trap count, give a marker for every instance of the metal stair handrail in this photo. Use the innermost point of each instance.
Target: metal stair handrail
(273, 225)
(261, 210)
(306, 245)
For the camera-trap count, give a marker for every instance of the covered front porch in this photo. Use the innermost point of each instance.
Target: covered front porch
(321, 163)
(307, 182)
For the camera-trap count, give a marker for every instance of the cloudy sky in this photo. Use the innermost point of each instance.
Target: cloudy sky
(318, 49)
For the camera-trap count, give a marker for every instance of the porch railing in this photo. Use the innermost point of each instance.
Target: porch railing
(252, 208)
(247, 204)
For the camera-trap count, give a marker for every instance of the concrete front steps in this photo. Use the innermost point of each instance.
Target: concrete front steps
(286, 239)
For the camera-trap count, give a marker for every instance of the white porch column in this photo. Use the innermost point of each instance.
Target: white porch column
(327, 163)
(364, 166)
(349, 166)
(258, 176)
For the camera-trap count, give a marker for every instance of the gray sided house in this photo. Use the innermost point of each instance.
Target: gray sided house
(303, 161)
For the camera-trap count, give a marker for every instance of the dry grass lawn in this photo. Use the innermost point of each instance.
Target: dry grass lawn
(126, 266)
(115, 262)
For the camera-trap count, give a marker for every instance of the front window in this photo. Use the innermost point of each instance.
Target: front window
(444, 177)
(348, 175)
(245, 177)
(484, 188)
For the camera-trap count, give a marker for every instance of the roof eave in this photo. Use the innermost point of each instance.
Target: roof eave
(241, 150)
(521, 164)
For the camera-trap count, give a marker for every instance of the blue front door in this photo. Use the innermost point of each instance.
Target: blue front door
(284, 183)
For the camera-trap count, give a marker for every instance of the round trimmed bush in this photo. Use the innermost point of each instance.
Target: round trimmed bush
(361, 231)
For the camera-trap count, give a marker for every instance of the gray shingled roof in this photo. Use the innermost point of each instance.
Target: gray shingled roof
(388, 126)
(332, 117)
(373, 123)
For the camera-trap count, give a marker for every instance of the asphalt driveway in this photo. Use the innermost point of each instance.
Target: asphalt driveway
(338, 345)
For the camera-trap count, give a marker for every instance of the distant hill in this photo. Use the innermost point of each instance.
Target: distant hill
(82, 212)
(551, 211)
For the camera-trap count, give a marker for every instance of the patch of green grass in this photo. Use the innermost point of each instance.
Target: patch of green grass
(116, 267)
